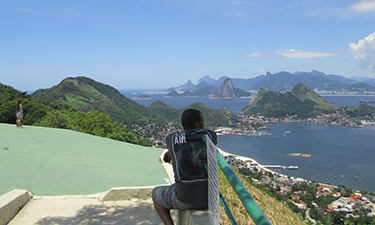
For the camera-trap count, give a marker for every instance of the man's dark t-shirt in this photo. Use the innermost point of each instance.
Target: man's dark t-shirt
(189, 154)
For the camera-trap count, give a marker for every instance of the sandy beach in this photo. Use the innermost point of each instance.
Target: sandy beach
(243, 158)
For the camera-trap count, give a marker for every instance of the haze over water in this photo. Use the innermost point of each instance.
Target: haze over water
(340, 155)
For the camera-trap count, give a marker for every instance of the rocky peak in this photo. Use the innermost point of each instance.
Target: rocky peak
(301, 89)
(185, 87)
(226, 89)
(201, 85)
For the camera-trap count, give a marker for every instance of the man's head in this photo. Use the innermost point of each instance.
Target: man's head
(192, 119)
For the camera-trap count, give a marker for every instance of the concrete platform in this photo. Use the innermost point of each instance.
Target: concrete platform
(86, 209)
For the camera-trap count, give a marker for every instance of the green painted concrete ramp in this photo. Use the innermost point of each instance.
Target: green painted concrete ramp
(48, 161)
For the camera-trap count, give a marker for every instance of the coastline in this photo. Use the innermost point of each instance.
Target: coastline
(243, 158)
(349, 95)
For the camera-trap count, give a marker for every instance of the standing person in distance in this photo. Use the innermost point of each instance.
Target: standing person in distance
(19, 113)
(188, 153)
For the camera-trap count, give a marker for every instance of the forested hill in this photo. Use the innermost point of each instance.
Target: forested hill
(84, 94)
(9, 93)
(301, 101)
(212, 117)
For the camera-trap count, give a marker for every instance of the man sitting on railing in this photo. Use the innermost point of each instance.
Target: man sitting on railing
(188, 153)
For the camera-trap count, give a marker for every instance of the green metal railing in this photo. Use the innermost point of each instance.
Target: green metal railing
(247, 200)
(227, 210)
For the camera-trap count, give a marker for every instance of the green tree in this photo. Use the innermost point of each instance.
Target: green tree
(34, 112)
(292, 206)
(56, 119)
(7, 112)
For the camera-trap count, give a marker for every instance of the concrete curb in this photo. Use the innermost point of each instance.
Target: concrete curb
(168, 168)
(128, 193)
(193, 217)
(11, 203)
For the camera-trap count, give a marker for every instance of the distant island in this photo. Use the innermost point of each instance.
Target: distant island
(306, 155)
(145, 97)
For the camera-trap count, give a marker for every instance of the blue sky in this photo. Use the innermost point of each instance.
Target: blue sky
(163, 43)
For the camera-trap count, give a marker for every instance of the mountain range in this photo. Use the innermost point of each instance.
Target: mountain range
(84, 94)
(226, 90)
(285, 81)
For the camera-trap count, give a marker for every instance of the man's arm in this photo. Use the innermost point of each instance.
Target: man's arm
(167, 157)
(213, 136)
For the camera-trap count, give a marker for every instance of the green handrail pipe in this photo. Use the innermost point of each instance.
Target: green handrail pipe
(247, 200)
(225, 205)
(227, 210)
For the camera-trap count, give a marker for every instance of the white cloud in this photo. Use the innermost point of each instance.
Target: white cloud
(254, 54)
(365, 52)
(363, 6)
(300, 54)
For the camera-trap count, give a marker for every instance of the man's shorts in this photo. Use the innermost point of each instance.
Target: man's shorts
(19, 115)
(167, 198)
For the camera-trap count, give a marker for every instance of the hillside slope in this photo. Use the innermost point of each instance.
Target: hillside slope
(164, 110)
(301, 101)
(276, 212)
(212, 117)
(84, 94)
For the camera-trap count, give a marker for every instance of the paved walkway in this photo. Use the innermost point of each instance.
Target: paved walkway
(86, 209)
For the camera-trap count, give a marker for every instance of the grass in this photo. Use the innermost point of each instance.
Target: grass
(276, 212)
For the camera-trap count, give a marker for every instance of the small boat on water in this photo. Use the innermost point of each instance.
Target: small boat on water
(291, 167)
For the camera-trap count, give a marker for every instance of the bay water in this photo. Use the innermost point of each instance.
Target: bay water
(340, 155)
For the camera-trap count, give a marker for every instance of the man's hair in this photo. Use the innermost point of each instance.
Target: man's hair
(189, 117)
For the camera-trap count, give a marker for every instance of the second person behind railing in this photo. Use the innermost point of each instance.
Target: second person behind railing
(188, 153)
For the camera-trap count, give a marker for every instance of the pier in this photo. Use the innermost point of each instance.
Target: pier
(291, 167)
